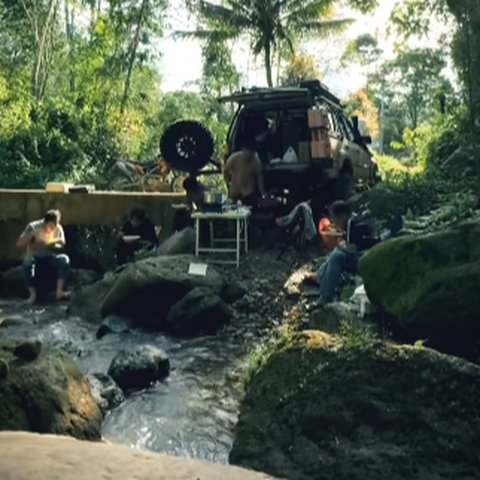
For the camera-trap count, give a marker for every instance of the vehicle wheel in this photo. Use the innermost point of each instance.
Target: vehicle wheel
(187, 146)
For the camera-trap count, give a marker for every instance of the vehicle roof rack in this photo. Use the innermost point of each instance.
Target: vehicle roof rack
(318, 89)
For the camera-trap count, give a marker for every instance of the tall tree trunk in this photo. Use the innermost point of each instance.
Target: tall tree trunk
(42, 31)
(133, 54)
(69, 19)
(279, 63)
(268, 62)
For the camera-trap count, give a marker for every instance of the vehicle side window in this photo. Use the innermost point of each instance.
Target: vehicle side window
(332, 122)
(345, 128)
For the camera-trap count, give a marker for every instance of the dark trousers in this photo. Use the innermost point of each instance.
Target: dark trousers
(125, 252)
(37, 270)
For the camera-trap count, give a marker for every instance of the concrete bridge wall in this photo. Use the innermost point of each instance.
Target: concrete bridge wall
(18, 207)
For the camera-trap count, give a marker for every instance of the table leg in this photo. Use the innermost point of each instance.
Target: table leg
(197, 236)
(212, 238)
(245, 226)
(238, 243)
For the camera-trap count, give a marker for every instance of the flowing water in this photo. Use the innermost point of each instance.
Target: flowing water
(192, 413)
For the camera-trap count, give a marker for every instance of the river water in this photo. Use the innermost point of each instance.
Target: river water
(192, 413)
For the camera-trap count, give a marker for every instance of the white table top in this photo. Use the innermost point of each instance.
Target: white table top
(240, 213)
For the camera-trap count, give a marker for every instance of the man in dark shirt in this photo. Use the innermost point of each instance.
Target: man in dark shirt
(137, 234)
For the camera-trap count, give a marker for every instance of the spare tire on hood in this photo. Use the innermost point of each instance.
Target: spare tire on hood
(187, 146)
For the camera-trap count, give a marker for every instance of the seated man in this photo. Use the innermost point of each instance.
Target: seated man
(138, 233)
(194, 190)
(348, 238)
(42, 240)
(244, 176)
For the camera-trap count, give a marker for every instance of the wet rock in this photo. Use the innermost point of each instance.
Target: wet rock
(146, 290)
(4, 368)
(180, 242)
(114, 324)
(233, 291)
(47, 395)
(13, 320)
(28, 350)
(138, 367)
(106, 392)
(199, 312)
(323, 407)
(81, 277)
(14, 282)
(86, 302)
(428, 287)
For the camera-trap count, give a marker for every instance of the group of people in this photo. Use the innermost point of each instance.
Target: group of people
(43, 243)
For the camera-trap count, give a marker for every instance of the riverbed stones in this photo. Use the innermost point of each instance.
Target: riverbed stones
(47, 394)
(428, 287)
(137, 367)
(106, 392)
(328, 408)
(146, 290)
(199, 312)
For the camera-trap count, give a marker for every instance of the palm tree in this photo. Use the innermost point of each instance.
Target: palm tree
(269, 24)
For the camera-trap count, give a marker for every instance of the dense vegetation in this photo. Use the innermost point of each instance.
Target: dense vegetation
(80, 85)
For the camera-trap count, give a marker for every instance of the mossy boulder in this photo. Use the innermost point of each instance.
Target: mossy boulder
(146, 290)
(46, 394)
(428, 287)
(327, 408)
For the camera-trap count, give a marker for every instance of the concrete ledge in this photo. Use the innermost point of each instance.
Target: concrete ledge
(27, 456)
(97, 208)
(18, 207)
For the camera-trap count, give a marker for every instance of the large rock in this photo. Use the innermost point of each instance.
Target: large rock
(106, 392)
(199, 312)
(182, 241)
(323, 408)
(146, 290)
(51, 457)
(87, 302)
(114, 324)
(138, 367)
(14, 282)
(46, 392)
(428, 286)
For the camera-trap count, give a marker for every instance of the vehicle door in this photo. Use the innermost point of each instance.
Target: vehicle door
(358, 155)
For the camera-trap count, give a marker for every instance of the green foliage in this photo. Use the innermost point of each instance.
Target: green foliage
(357, 335)
(300, 68)
(414, 80)
(282, 339)
(269, 25)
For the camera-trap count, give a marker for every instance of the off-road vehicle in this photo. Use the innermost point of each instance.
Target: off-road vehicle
(308, 146)
(326, 148)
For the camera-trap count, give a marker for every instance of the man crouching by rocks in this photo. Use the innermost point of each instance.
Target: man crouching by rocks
(43, 240)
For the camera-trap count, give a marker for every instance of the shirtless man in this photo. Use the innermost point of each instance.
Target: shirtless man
(243, 175)
(43, 239)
